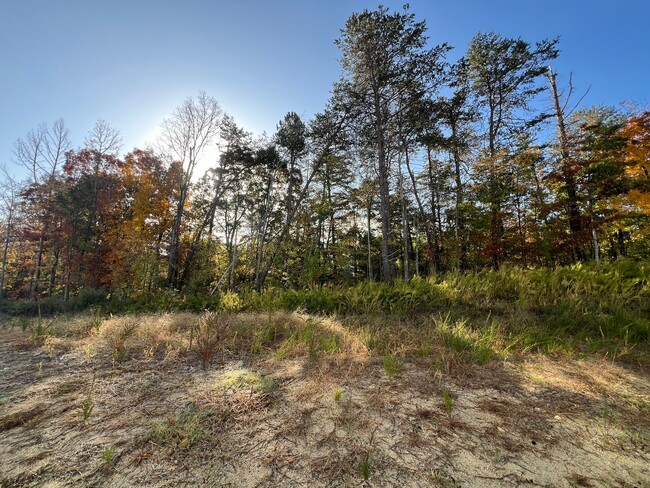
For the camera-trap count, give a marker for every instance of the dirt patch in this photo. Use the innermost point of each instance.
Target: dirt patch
(76, 416)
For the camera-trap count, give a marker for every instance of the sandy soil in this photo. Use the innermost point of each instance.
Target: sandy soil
(245, 423)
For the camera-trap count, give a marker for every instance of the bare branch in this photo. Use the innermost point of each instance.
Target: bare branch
(103, 138)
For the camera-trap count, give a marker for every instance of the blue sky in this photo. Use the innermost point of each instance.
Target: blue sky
(131, 62)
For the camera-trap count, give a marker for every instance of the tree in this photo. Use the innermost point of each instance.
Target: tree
(291, 136)
(192, 127)
(387, 68)
(503, 74)
(8, 207)
(41, 152)
(566, 167)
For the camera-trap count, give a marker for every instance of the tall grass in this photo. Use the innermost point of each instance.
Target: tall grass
(580, 308)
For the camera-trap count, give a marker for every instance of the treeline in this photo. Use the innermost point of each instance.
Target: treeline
(416, 166)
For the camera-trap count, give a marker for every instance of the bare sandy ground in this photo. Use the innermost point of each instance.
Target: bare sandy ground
(246, 422)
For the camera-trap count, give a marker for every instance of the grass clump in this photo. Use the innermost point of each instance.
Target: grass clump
(209, 335)
(242, 378)
(392, 365)
(447, 401)
(366, 467)
(182, 431)
(337, 394)
(108, 456)
(88, 405)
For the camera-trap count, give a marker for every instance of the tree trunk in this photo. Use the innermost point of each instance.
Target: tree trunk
(55, 263)
(37, 271)
(458, 223)
(368, 216)
(573, 211)
(172, 270)
(259, 281)
(429, 230)
(435, 250)
(405, 233)
(384, 192)
(4, 254)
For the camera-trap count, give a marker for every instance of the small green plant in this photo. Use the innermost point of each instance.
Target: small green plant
(338, 394)
(230, 302)
(118, 342)
(40, 329)
(447, 401)
(482, 354)
(22, 322)
(186, 428)
(330, 345)
(241, 378)
(366, 467)
(440, 479)
(88, 404)
(108, 455)
(497, 456)
(96, 317)
(87, 408)
(392, 365)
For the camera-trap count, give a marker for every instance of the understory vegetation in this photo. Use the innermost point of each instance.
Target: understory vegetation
(575, 309)
(503, 368)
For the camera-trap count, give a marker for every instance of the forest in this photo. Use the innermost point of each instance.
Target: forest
(441, 279)
(416, 167)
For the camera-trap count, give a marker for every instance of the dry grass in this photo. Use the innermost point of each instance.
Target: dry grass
(289, 399)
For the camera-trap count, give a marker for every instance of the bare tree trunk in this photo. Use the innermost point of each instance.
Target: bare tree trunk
(66, 290)
(575, 221)
(4, 253)
(368, 217)
(384, 191)
(429, 229)
(172, 270)
(595, 244)
(259, 281)
(434, 210)
(37, 270)
(458, 224)
(417, 250)
(231, 270)
(55, 263)
(405, 233)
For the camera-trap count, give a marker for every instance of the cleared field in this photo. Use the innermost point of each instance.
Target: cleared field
(289, 399)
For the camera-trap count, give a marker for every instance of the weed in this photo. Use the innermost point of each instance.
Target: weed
(447, 401)
(209, 333)
(89, 353)
(118, 338)
(441, 480)
(87, 408)
(96, 318)
(182, 431)
(230, 302)
(393, 365)
(497, 456)
(40, 329)
(338, 394)
(108, 455)
(247, 379)
(483, 354)
(22, 322)
(88, 405)
(366, 467)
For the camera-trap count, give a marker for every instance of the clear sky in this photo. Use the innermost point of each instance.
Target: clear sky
(132, 61)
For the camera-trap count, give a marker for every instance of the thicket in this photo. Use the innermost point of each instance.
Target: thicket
(598, 306)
